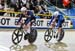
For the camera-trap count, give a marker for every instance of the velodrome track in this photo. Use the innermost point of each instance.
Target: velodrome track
(67, 44)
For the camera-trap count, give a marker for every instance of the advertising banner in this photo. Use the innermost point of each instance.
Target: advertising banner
(11, 22)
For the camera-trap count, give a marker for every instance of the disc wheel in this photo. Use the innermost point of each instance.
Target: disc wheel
(32, 36)
(48, 35)
(17, 36)
(60, 36)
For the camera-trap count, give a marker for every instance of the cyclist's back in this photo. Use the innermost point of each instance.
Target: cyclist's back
(30, 14)
(58, 18)
(26, 14)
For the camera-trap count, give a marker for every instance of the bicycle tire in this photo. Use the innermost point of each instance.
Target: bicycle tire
(17, 34)
(32, 36)
(60, 36)
(49, 35)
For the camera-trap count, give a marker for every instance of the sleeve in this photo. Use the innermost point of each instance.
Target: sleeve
(20, 19)
(51, 20)
(32, 16)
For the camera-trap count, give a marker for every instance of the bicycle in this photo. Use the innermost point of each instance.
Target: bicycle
(49, 33)
(18, 35)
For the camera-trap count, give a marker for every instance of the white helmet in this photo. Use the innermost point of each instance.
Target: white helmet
(56, 13)
(23, 9)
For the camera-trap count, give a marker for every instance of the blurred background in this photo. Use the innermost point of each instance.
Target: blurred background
(66, 7)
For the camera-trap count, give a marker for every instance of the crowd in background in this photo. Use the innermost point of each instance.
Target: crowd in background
(37, 6)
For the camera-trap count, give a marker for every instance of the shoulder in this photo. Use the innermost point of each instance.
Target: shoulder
(30, 13)
(60, 15)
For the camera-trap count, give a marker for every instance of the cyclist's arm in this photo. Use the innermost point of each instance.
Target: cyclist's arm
(20, 19)
(32, 16)
(33, 19)
(51, 20)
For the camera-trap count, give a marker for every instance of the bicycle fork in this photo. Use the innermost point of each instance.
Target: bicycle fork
(54, 33)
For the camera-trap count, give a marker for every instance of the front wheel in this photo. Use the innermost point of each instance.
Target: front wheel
(60, 36)
(17, 36)
(32, 35)
(48, 35)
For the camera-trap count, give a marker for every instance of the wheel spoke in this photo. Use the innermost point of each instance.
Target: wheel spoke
(16, 32)
(17, 36)
(20, 35)
(18, 39)
(50, 36)
(48, 32)
(46, 35)
(14, 38)
(47, 38)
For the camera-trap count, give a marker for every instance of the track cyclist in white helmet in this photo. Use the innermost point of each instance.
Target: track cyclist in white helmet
(30, 18)
(57, 18)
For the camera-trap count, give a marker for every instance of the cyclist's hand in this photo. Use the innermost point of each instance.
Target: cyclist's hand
(27, 16)
(32, 21)
(19, 23)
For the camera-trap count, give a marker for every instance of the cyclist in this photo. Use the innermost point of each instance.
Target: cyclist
(30, 18)
(57, 18)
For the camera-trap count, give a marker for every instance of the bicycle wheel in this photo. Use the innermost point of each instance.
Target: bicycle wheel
(32, 36)
(60, 36)
(17, 36)
(48, 35)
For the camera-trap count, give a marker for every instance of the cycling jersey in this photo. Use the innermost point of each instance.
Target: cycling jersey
(28, 19)
(59, 20)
